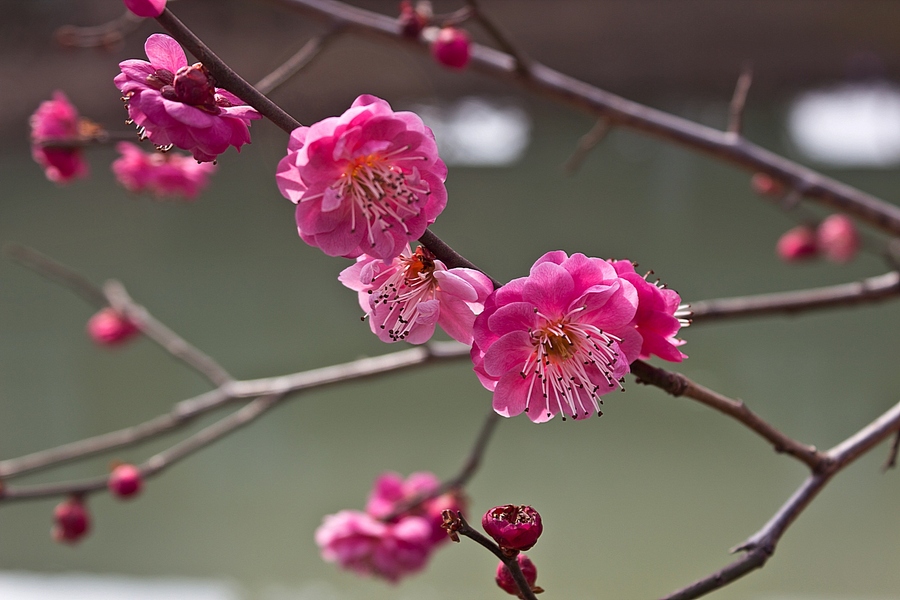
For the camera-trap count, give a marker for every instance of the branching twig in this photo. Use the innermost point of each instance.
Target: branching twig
(891, 461)
(523, 63)
(587, 143)
(56, 272)
(677, 384)
(297, 62)
(872, 289)
(739, 101)
(105, 35)
(620, 111)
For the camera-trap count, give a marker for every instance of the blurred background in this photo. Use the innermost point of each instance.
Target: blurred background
(635, 504)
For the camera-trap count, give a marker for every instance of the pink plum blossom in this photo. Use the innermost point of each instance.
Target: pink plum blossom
(513, 527)
(160, 173)
(838, 238)
(57, 119)
(175, 104)
(367, 182)
(391, 492)
(146, 8)
(555, 341)
(659, 315)
(406, 298)
(797, 243)
(359, 542)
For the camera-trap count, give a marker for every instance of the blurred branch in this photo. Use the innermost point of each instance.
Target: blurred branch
(722, 145)
(106, 35)
(870, 290)
(523, 63)
(587, 143)
(296, 63)
(739, 101)
(56, 272)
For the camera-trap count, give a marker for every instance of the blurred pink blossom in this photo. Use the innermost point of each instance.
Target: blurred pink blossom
(175, 104)
(407, 297)
(367, 182)
(557, 340)
(797, 243)
(57, 119)
(838, 238)
(391, 492)
(160, 173)
(659, 315)
(359, 542)
(146, 8)
(452, 48)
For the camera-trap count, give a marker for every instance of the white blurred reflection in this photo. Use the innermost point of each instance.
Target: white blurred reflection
(478, 132)
(853, 125)
(79, 586)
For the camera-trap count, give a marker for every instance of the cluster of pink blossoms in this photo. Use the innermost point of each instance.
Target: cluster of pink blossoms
(381, 543)
(173, 103)
(556, 341)
(58, 120)
(163, 174)
(366, 182)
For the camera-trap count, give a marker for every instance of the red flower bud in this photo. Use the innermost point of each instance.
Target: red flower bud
(413, 20)
(71, 521)
(838, 238)
(798, 243)
(108, 327)
(764, 185)
(125, 481)
(505, 579)
(452, 48)
(513, 527)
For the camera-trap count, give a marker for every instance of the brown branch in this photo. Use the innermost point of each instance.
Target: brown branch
(739, 101)
(225, 76)
(872, 289)
(620, 111)
(56, 272)
(170, 341)
(462, 478)
(677, 384)
(587, 143)
(891, 461)
(523, 63)
(296, 63)
(105, 35)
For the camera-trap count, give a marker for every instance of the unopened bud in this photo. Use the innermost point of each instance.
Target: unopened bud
(71, 521)
(513, 527)
(146, 8)
(109, 328)
(452, 48)
(505, 579)
(764, 185)
(797, 244)
(125, 481)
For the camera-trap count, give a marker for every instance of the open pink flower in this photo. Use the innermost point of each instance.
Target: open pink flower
(659, 315)
(557, 340)
(57, 119)
(367, 182)
(361, 543)
(406, 298)
(175, 104)
(160, 173)
(391, 491)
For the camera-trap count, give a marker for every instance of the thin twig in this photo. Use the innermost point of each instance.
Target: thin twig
(225, 76)
(870, 290)
(101, 138)
(296, 63)
(523, 63)
(677, 384)
(448, 255)
(56, 272)
(891, 461)
(462, 478)
(587, 143)
(170, 341)
(739, 101)
(105, 35)
(627, 113)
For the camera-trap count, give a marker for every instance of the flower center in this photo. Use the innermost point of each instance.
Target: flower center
(573, 363)
(402, 292)
(191, 85)
(383, 194)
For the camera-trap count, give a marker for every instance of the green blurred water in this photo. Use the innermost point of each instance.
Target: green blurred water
(635, 504)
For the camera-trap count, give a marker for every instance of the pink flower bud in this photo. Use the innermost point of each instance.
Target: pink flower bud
(413, 20)
(764, 185)
(109, 328)
(798, 243)
(452, 48)
(146, 8)
(71, 521)
(838, 238)
(513, 527)
(195, 86)
(505, 579)
(125, 481)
